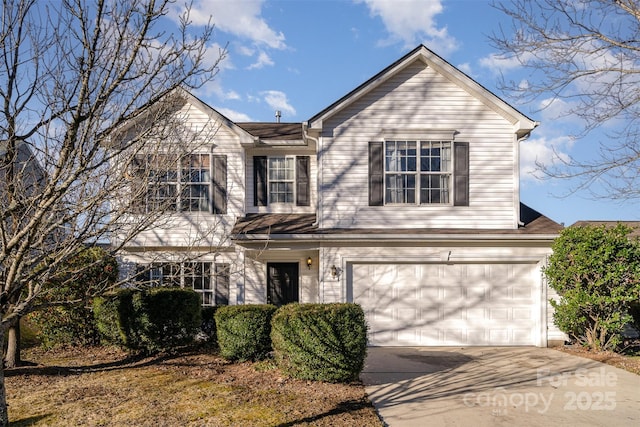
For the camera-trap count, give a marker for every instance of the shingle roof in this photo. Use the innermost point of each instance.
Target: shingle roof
(635, 225)
(273, 131)
(304, 224)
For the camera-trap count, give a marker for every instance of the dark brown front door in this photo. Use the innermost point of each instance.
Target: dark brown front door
(282, 283)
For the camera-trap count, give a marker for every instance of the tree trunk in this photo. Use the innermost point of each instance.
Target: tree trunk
(4, 414)
(12, 355)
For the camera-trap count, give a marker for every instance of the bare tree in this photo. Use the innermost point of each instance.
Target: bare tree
(73, 74)
(586, 54)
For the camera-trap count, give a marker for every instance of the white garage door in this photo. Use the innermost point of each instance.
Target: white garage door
(447, 304)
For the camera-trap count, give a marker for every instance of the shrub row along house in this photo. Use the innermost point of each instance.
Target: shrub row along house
(402, 196)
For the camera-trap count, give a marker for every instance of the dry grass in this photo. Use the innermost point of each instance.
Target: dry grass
(105, 387)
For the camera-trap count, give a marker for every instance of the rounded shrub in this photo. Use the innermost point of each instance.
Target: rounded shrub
(115, 318)
(150, 320)
(243, 331)
(322, 342)
(168, 317)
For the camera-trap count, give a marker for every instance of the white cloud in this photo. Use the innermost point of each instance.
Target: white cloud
(214, 87)
(235, 116)
(240, 18)
(277, 100)
(465, 68)
(541, 151)
(412, 22)
(263, 60)
(499, 64)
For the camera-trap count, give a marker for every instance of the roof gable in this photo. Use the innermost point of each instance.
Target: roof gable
(176, 99)
(522, 124)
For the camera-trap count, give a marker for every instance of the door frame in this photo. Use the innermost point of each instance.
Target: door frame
(294, 295)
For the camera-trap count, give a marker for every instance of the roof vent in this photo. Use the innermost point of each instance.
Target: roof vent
(278, 115)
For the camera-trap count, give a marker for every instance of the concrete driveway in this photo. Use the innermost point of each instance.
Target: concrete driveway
(498, 386)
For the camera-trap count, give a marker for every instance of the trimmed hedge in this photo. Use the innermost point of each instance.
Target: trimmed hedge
(114, 314)
(151, 320)
(208, 324)
(243, 331)
(322, 342)
(169, 317)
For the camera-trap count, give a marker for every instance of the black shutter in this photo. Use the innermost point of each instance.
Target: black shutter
(376, 174)
(222, 284)
(260, 181)
(219, 182)
(461, 174)
(302, 181)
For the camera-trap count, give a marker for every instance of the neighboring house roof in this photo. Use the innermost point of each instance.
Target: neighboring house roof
(273, 131)
(635, 225)
(254, 225)
(523, 124)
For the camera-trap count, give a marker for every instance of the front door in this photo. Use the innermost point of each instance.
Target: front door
(282, 283)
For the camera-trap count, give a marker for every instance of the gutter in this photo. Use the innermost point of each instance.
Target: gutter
(400, 238)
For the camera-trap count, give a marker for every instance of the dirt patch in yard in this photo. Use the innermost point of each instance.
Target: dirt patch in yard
(105, 386)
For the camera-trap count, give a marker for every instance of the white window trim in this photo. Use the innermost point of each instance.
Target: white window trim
(418, 173)
(293, 180)
(151, 203)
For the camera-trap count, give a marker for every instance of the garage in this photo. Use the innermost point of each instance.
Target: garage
(443, 304)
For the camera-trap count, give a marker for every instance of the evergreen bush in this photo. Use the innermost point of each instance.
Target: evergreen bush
(323, 342)
(150, 320)
(243, 331)
(63, 313)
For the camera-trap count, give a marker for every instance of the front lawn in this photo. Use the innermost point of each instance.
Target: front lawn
(103, 386)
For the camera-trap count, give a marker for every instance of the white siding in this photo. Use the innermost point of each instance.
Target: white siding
(418, 98)
(256, 274)
(282, 207)
(201, 228)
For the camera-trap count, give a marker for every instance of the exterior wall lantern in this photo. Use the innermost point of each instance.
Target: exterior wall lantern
(334, 271)
(309, 262)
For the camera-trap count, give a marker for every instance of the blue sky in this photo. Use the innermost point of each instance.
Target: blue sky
(299, 56)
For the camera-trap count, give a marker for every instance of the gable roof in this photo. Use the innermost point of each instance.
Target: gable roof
(177, 98)
(523, 124)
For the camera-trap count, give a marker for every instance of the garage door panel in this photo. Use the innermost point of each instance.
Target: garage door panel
(438, 304)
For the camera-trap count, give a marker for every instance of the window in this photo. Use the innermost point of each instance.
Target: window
(417, 172)
(187, 185)
(213, 286)
(423, 172)
(157, 274)
(197, 276)
(281, 179)
(196, 182)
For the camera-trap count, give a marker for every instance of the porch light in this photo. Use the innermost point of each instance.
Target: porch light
(334, 271)
(309, 262)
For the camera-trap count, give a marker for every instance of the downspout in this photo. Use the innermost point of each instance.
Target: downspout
(305, 126)
(521, 139)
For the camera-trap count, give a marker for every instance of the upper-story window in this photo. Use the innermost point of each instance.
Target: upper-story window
(195, 174)
(281, 179)
(417, 172)
(191, 183)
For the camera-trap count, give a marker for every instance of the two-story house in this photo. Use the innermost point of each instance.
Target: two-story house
(402, 196)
